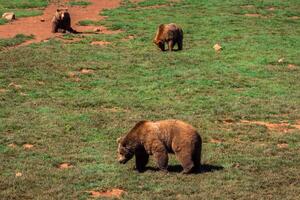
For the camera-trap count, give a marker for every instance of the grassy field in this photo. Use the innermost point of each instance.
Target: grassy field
(74, 117)
(22, 8)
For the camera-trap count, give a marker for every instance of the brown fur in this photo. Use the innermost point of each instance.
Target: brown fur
(171, 34)
(158, 139)
(61, 22)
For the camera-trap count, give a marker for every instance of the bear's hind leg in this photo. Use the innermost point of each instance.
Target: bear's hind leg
(141, 160)
(186, 162)
(197, 160)
(180, 44)
(171, 45)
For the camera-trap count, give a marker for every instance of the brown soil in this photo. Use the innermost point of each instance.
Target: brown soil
(40, 26)
(284, 126)
(114, 193)
(101, 43)
(216, 141)
(217, 47)
(282, 146)
(295, 17)
(18, 174)
(271, 8)
(113, 109)
(291, 66)
(95, 29)
(87, 71)
(14, 85)
(3, 90)
(65, 166)
(129, 37)
(27, 146)
(12, 145)
(135, 1)
(65, 40)
(253, 15)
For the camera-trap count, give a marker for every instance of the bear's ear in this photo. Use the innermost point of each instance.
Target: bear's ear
(119, 140)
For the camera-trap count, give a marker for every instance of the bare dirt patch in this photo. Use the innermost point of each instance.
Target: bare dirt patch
(113, 193)
(217, 47)
(283, 126)
(282, 145)
(291, 66)
(18, 174)
(253, 15)
(12, 145)
(74, 76)
(216, 141)
(87, 71)
(40, 26)
(68, 40)
(113, 109)
(100, 43)
(65, 166)
(15, 86)
(136, 1)
(247, 6)
(294, 17)
(27, 146)
(271, 8)
(129, 37)
(3, 91)
(97, 30)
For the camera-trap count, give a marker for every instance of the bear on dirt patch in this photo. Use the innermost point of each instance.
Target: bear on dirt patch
(61, 22)
(169, 33)
(158, 139)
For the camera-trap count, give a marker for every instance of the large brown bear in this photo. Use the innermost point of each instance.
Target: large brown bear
(158, 139)
(169, 33)
(61, 22)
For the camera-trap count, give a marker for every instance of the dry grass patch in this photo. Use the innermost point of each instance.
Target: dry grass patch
(113, 193)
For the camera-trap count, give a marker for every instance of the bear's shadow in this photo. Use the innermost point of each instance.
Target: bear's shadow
(178, 168)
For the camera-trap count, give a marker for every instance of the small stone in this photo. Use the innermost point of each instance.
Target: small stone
(97, 29)
(12, 145)
(9, 16)
(281, 60)
(217, 47)
(18, 174)
(27, 146)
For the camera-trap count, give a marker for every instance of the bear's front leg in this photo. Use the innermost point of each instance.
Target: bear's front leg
(54, 27)
(161, 159)
(141, 160)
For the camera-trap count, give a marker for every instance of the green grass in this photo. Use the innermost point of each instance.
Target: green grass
(79, 3)
(78, 121)
(22, 8)
(22, 4)
(18, 39)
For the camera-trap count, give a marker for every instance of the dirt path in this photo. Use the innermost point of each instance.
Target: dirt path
(42, 29)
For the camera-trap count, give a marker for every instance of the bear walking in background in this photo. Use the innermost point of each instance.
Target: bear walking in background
(158, 139)
(170, 34)
(61, 22)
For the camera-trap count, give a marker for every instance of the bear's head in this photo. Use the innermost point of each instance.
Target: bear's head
(62, 13)
(125, 152)
(160, 44)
